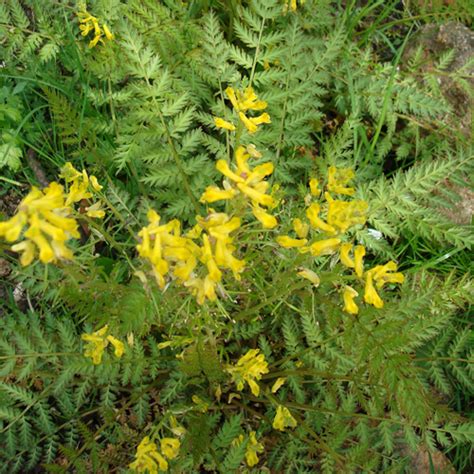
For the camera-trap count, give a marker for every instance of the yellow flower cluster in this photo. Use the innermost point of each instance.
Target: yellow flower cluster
(242, 103)
(149, 459)
(80, 188)
(283, 419)
(97, 343)
(89, 23)
(48, 223)
(47, 214)
(253, 448)
(380, 274)
(208, 243)
(246, 182)
(249, 368)
(340, 216)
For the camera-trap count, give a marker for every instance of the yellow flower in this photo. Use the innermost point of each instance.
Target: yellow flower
(69, 173)
(278, 383)
(314, 187)
(176, 428)
(359, 253)
(289, 242)
(324, 247)
(267, 220)
(370, 294)
(245, 101)
(27, 250)
(249, 368)
(349, 303)
(221, 123)
(252, 123)
(169, 252)
(300, 228)
(338, 179)
(107, 32)
(344, 254)
(253, 448)
(49, 226)
(248, 182)
(88, 24)
(343, 214)
(170, 447)
(213, 193)
(248, 101)
(95, 210)
(148, 459)
(81, 184)
(310, 275)
(316, 222)
(292, 4)
(383, 274)
(283, 419)
(97, 343)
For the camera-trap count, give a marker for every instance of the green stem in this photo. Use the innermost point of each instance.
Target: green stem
(175, 155)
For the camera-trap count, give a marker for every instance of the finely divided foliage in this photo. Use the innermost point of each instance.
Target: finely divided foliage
(252, 286)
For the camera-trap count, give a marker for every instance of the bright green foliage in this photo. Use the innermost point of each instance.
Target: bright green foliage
(364, 390)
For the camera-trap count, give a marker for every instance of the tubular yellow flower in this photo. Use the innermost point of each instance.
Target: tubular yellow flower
(97, 343)
(148, 459)
(283, 419)
(324, 247)
(249, 368)
(288, 242)
(95, 211)
(370, 294)
(359, 253)
(27, 250)
(256, 196)
(223, 167)
(314, 187)
(316, 222)
(267, 220)
(300, 228)
(176, 428)
(253, 448)
(349, 303)
(107, 32)
(279, 382)
(233, 98)
(170, 447)
(383, 274)
(208, 259)
(213, 194)
(310, 275)
(119, 347)
(338, 179)
(344, 254)
(252, 123)
(221, 123)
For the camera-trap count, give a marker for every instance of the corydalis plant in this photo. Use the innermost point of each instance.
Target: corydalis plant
(48, 217)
